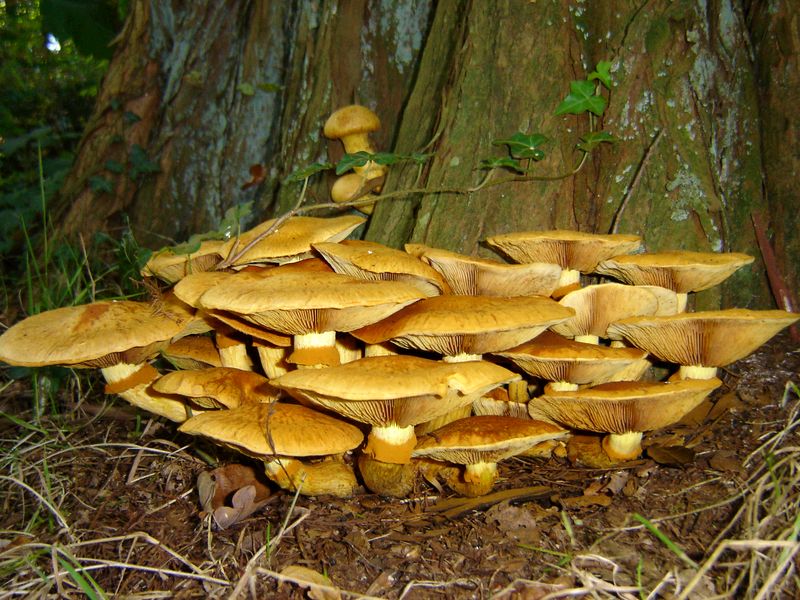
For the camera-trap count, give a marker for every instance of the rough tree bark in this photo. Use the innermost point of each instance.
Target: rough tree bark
(701, 106)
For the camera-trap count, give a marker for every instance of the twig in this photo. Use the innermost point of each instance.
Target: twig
(780, 291)
(634, 184)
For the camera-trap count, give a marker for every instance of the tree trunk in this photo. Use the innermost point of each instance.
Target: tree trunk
(702, 117)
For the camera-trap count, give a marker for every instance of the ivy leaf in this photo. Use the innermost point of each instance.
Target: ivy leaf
(602, 73)
(521, 145)
(581, 98)
(231, 223)
(592, 140)
(270, 88)
(114, 166)
(246, 89)
(308, 171)
(502, 163)
(100, 184)
(419, 158)
(130, 117)
(359, 159)
(140, 163)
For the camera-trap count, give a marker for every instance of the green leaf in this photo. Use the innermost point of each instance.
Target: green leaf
(591, 140)
(114, 166)
(231, 223)
(131, 117)
(358, 159)
(602, 73)
(140, 163)
(246, 89)
(269, 87)
(308, 171)
(100, 184)
(419, 158)
(522, 145)
(581, 98)
(502, 163)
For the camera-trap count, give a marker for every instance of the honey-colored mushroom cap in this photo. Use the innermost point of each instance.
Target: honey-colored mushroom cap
(99, 334)
(453, 325)
(596, 306)
(276, 429)
(707, 338)
(552, 357)
(485, 438)
(568, 249)
(351, 120)
(292, 240)
(471, 275)
(373, 261)
(215, 387)
(680, 271)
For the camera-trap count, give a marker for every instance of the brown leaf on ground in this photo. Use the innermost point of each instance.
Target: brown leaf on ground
(319, 585)
(673, 456)
(231, 493)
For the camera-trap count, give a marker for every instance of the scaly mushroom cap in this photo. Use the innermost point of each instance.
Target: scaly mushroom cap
(292, 240)
(681, 272)
(453, 325)
(596, 306)
(486, 439)
(622, 407)
(263, 430)
(373, 262)
(99, 334)
(394, 390)
(170, 266)
(708, 338)
(555, 358)
(305, 302)
(473, 276)
(216, 387)
(568, 249)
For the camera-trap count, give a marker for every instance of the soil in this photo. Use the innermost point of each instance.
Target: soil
(127, 512)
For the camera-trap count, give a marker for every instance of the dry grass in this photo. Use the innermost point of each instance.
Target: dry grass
(50, 545)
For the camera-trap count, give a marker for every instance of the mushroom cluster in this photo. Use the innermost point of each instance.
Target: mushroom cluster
(341, 363)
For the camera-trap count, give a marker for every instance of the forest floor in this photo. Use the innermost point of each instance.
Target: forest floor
(105, 505)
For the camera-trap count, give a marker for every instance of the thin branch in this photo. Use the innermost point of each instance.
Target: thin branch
(635, 183)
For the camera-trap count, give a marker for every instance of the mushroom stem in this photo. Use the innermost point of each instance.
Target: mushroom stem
(273, 360)
(332, 477)
(463, 357)
(476, 480)
(683, 299)
(562, 386)
(387, 479)
(391, 443)
(570, 280)
(588, 339)
(623, 446)
(132, 383)
(316, 349)
(696, 372)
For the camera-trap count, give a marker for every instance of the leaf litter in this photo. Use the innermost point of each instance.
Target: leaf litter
(93, 509)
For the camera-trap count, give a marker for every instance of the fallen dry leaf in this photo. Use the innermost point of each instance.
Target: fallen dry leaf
(319, 585)
(725, 460)
(673, 456)
(585, 501)
(515, 521)
(231, 493)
